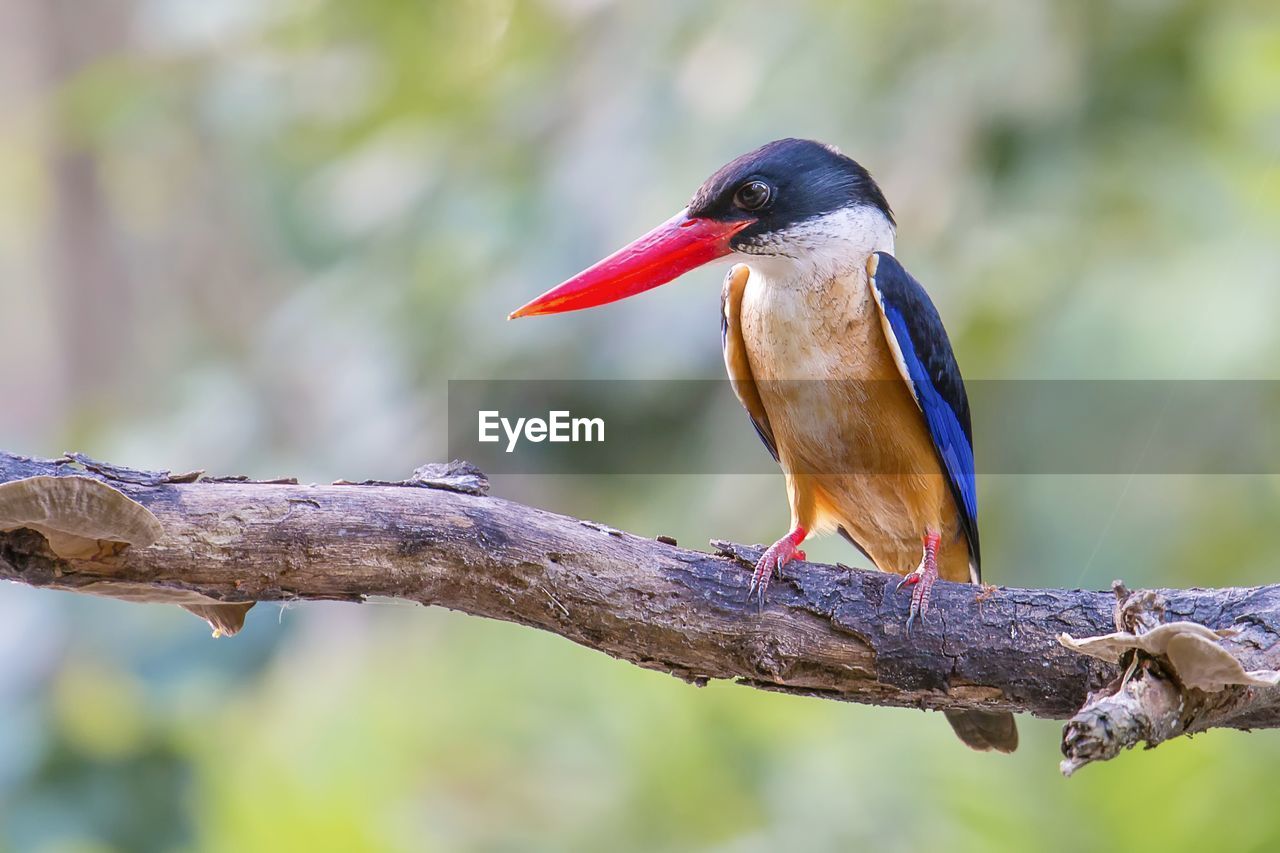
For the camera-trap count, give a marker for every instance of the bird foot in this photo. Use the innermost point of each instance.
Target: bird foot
(922, 579)
(774, 558)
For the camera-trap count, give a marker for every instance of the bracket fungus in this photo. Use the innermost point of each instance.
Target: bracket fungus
(1181, 677)
(85, 519)
(1191, 650)
(80, 517)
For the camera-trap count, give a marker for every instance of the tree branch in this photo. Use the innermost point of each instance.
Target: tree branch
(827, 631)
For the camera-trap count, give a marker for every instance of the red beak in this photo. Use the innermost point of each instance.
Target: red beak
(669, 251)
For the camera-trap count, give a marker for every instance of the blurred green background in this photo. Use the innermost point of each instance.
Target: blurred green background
(260, 237)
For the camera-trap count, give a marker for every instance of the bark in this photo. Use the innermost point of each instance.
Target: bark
(826, 631)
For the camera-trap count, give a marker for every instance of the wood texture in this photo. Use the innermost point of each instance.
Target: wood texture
(826, 631)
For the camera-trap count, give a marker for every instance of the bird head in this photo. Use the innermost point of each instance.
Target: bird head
(795, 209)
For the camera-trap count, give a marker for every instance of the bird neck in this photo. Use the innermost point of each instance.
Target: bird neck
(822, 248)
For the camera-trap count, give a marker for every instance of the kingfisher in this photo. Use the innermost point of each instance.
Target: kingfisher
(841, 361)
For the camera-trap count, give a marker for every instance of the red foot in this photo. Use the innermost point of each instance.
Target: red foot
(922, 579)
(778, 555)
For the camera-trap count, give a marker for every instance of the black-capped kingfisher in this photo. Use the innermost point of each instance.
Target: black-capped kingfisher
(840, 359)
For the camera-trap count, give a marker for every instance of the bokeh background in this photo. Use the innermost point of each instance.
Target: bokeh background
(260, 237)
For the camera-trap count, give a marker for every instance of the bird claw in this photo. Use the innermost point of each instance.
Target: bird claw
(922, 579)
(770, 564)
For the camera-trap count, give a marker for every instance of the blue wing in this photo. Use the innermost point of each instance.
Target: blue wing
(925, 359)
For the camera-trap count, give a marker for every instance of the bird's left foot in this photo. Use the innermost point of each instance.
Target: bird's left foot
(922, 579)
(774, 558)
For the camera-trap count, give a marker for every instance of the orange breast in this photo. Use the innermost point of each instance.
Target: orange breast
(851, 440)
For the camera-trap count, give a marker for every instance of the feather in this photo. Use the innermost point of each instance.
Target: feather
(922, 352)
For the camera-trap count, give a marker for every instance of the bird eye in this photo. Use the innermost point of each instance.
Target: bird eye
(753, 195)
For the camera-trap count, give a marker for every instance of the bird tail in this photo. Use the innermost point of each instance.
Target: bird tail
(985, 730)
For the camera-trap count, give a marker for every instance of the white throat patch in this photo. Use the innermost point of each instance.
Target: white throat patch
(821, 248)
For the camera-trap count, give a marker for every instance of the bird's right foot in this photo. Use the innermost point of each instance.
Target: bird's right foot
(774, 558)
(922, 579)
